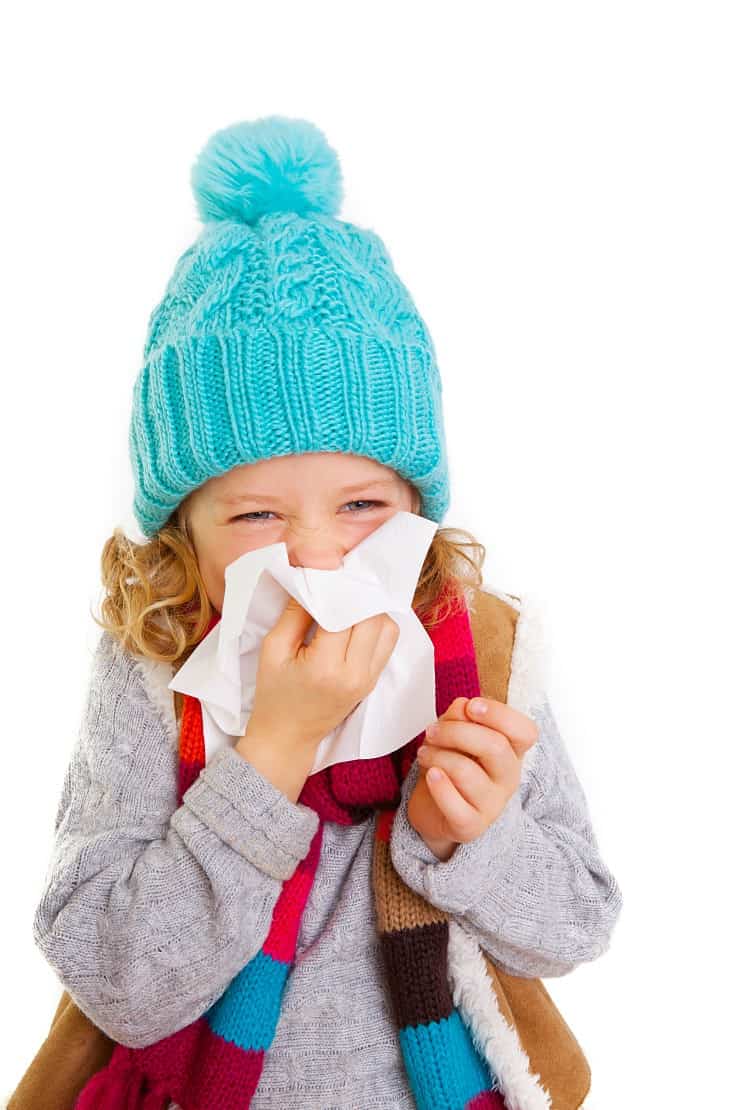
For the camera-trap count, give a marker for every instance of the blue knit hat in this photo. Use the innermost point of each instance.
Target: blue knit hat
(283, 329)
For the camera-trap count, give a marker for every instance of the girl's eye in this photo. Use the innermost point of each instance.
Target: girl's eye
(262, 513)
(368, 503)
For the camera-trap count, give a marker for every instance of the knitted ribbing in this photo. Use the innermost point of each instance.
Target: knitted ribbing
(215, 1063)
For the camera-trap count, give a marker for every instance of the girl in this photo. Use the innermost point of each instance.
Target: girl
(217, 922)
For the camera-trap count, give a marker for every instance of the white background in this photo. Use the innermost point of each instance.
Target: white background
(557, 185)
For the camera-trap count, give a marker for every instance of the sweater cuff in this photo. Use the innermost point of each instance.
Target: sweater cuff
(251, 815)
(455, 884)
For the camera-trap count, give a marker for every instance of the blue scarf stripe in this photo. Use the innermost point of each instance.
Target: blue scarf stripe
(247, 1013)
(443, 1065)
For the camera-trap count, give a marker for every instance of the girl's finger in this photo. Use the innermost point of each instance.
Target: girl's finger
(367, 637)
(462, 818)
(289, 631)
(492, 749)
(521, 729)
(390, 632)
(466, 775)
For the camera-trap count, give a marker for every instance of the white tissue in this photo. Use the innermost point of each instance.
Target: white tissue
(379, 575)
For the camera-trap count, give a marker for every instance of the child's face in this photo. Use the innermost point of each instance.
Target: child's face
(299, 500)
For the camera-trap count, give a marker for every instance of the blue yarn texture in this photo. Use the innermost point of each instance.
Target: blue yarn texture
(282, 330)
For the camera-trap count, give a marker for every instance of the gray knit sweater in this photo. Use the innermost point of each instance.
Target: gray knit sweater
(149, 909)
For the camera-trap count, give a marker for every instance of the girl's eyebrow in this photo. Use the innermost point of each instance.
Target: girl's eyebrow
(247, 495)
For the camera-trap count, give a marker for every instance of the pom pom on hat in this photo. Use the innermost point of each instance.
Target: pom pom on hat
(273, 164)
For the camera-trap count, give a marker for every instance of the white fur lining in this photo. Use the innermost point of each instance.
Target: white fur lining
(155, 677)
(529, 658)
(495, 1039)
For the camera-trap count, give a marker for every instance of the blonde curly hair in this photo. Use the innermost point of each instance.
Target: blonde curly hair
(156, 605)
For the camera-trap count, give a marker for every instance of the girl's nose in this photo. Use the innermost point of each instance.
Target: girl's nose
(315, 557)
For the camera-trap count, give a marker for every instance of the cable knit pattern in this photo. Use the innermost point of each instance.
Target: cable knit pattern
(149, 909)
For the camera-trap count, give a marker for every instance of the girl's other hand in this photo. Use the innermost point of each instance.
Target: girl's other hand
(477, 759)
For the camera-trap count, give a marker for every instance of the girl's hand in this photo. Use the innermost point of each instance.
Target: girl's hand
(303, 691)
(479, 759)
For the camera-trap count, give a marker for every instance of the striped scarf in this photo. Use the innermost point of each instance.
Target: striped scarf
(216, 1062)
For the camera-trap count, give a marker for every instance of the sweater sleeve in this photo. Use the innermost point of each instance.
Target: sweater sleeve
(533, 887)
(150, 909)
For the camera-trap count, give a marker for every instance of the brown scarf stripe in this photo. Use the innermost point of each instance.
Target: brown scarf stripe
(413, 939)
(396, 905)
(416, 964)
